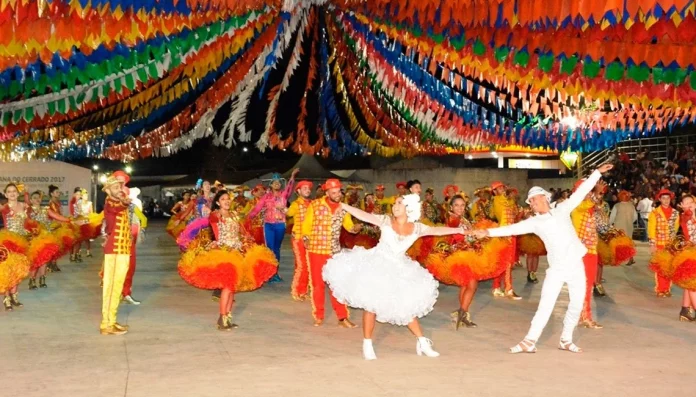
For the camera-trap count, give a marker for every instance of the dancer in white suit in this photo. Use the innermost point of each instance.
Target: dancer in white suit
(565, 252)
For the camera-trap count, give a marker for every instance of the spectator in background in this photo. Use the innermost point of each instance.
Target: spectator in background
(623, 215)
(645, 206)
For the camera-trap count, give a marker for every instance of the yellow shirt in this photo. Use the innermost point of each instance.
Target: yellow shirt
(297, 211)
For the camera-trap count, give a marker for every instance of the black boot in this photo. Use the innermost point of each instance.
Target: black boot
(687, 314)
(223, 324)
(216, 295)
(42, 282)
(7, 302)
(14, 299)
(32, 284)
(532, 277)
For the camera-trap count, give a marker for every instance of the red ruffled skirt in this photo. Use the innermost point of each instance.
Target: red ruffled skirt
(43, 248)
(680, 267)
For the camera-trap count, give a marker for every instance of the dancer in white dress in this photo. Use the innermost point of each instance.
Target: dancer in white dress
(384, 282)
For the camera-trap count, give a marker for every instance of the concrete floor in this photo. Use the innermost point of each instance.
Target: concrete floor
(52, 346)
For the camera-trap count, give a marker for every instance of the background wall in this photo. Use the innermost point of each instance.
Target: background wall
(38, 175)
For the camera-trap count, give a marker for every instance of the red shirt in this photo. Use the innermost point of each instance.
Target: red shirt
(118, 228)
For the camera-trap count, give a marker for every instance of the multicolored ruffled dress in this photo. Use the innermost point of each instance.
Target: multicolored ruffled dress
(183, 213)
(614, 248)
(459, 259)
(224, 256)
(14, 248)
(91, 222)
(678, 261)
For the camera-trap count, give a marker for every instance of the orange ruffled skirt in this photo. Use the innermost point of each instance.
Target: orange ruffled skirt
(460, 267)
(14, 268)
(228, 269)
(617, 251)
(679, 267)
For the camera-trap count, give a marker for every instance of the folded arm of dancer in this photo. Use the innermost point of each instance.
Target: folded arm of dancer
(377, 220)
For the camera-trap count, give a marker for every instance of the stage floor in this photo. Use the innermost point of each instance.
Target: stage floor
(52, 346)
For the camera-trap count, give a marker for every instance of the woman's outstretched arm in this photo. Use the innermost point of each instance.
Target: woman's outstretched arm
(362, 215)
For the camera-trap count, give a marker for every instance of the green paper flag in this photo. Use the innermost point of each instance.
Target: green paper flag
(569, 64)
(638, 74)
(6, 118)
(614, 71)
(522, 59)
(130, 81)
(546, 62)
(52, 108)
(479, 48)
(62, 106)
(29, 114)
(501, 54)
(590, 69)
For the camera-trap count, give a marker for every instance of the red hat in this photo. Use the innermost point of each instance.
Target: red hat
(332, 184)
(401, 185)
(302, 184)
(121, 174)
(664, 192)
(448, 187)
(379, 187)
(258, 187)
(496, 185)
(624, 195)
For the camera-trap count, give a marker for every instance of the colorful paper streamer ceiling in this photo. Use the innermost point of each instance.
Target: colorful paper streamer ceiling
(129, 79)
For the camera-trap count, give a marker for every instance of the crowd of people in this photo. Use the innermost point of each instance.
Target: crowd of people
(383, 254)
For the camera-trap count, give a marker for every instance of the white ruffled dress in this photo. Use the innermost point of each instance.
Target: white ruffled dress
(384, 280)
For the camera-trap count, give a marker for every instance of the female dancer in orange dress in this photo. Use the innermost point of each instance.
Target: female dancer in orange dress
(464, 262)
(231, 262)
(182, 212)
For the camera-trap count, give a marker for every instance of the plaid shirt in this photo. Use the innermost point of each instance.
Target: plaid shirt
(662, 230)
(585, 223)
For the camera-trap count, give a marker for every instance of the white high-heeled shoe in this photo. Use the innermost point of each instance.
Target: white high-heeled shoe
(425, 346)
(368, 350)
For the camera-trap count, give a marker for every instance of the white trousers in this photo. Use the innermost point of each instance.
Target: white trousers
(572, 274)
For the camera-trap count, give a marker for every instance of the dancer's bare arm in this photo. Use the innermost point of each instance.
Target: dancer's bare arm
(362, 215)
